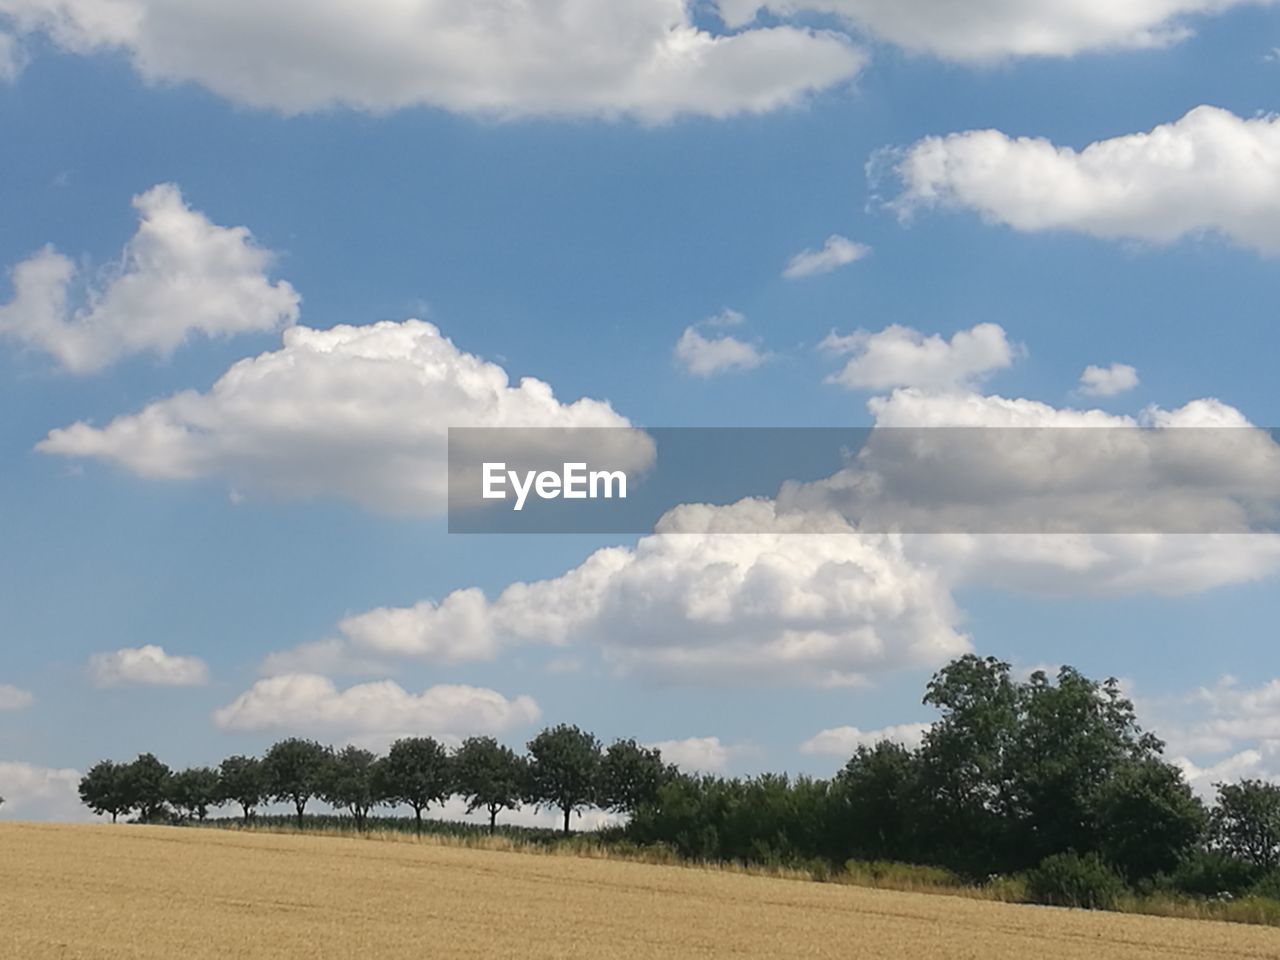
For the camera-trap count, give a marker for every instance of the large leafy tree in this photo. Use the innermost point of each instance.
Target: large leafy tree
(294, 772)
(353, 781)
(1246, 822)
(192, 792)
(490, 776)
(564, 765)
(146, 785)
(103, 791)
(631, 776)
(1148, 819)
(242, 780)
(877, 802)
(416, 771)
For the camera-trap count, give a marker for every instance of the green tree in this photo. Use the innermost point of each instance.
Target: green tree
(353, 781)
(294, 771)
(564, 769)
(490, 776)
(1246, 822)
(630, 776)
(877, 802)
(242, 780)
(102, 790)
(146, 787)
(416, 771)
(1148, 818)
(192, 792)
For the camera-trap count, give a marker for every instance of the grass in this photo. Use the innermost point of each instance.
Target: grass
(147, 893)
(879, 875)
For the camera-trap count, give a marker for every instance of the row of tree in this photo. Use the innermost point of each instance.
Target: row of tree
(566, 769)
(1012, 773)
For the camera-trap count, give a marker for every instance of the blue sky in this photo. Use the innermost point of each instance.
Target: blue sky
(577, 249)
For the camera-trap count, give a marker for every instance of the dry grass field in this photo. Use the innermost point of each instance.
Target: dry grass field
(182, 894)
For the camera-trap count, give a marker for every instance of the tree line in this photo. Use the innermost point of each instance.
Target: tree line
(566, 769)
(1013, 775)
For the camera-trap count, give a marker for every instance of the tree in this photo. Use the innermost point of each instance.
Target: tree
(242, 780)
(1148, 818)
(877, 802)
(146, 787)
(353, 781)
(416, 771)
(564, 769)
(1246, 822)
(630, 776)
(102, 790)
(294, 772)
(490, 776)
(194, 791)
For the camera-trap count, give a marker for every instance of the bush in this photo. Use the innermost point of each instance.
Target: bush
(1210, 873)
(1268, 886)
(1070, 880)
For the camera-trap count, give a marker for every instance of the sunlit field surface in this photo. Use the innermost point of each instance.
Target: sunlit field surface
(141, 892)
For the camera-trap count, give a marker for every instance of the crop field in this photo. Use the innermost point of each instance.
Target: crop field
(155, 892)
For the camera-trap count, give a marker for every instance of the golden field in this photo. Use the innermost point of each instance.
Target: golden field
(186, 894)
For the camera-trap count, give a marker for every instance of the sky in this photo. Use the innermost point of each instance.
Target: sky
(258, 261)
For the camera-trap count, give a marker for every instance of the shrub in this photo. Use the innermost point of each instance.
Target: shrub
(1211, 873)
(1070, 880)
(1268, 886)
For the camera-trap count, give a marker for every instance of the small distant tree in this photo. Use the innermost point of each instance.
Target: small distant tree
(416, 771)
(490, 776)
(103, 791)
(146, 787)
(294, 772)
(192, 792)
(630, 775)
(242, 780)
(564, 769)
(353, 781)
(1246, 822)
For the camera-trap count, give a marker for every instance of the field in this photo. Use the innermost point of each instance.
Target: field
(156, 892)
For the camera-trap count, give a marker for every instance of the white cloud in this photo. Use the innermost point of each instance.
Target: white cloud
(179, 274)
(1245, 765)
(643, 58)
(1108, 381)
(837, 252)
(988, 30)
(12, 58)
(40, 793)
(704, 356)
(701, 602)
(899, 356)
(14, 698)
(333, 657)
(844, 741)
(355, 412)
(698, 754)
(147, 666)
(1209, 172)
(313, 705)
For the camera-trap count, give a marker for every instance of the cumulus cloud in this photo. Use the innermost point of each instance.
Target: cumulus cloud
(899, 356)
(149, 665)
(837, 252)
(700, 602)
(373, 712)
(1209, 172)
(706, 356)
(844, 741)
(989, 30)
(14, 698)
(179, 275)
(40, 793)
(1108, 381)
(356, 412)
(12, 59)
(642, 58)
(698, 754)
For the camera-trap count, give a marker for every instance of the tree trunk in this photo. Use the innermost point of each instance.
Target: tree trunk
(566, 820)
(417, 814)
(301, 805)
(493, 820)
(245, 808)
(113, 816)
